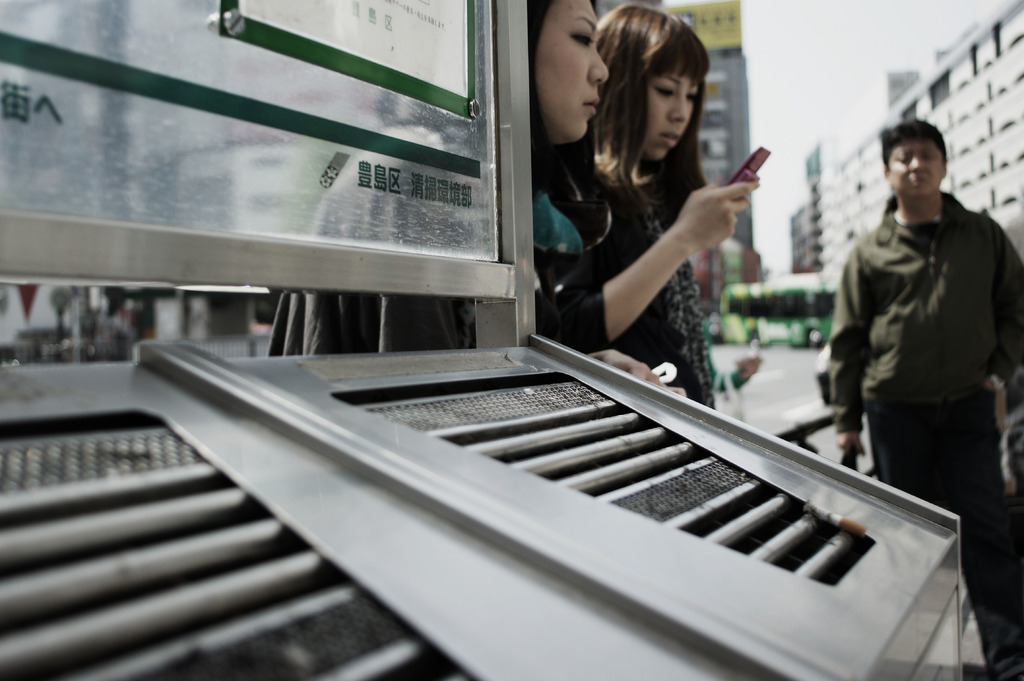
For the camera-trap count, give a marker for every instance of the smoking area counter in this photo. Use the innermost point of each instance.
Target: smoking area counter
(513, 511)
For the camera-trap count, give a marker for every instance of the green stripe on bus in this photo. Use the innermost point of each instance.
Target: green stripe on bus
(61, 62)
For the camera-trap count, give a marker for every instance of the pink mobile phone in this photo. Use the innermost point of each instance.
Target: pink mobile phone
(748, 169)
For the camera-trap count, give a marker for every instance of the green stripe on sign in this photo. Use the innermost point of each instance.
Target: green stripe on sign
(288, 44)
(58, 61)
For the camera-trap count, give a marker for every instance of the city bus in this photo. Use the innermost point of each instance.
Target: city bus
(793, 310)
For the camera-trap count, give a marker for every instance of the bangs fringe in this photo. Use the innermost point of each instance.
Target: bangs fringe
(675, 49)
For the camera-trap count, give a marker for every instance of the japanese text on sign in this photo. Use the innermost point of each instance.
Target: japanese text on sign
(420, 186)
(17, 104)
(425, 39)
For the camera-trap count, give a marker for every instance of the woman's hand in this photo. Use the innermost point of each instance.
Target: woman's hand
(709, 216)
(624, 362)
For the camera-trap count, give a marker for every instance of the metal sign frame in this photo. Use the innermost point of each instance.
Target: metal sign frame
(61, 245)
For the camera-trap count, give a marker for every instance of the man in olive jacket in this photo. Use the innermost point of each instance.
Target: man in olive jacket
(929, 324)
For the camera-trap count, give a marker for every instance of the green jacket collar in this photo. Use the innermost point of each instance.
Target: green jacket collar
(890, 229)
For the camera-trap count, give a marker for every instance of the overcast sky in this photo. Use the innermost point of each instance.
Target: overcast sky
(808, 63)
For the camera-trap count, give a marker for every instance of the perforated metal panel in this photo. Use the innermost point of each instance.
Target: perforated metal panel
(33, 463)
(687, 490)
(482, 407)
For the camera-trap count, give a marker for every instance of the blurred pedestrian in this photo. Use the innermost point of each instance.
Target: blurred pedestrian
(929, 324)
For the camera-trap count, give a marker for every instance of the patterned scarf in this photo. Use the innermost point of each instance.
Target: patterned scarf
(681, 296)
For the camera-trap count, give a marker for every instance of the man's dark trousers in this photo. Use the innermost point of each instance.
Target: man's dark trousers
(959, 440)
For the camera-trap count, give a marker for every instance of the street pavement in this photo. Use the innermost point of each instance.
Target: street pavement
(783, 393)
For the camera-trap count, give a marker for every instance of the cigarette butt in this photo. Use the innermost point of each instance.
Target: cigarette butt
(851, 526)
(845, 524)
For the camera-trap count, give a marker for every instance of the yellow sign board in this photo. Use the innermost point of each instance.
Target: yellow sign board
(717, 24)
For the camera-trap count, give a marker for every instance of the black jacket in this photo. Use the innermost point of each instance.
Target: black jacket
(650, 339)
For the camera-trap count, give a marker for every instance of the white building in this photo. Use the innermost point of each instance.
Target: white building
(975, 96)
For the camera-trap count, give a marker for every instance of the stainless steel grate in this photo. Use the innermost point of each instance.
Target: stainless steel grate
(127, 556)
(583, 440)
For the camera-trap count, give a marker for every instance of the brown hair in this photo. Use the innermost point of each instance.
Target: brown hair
(638, 43)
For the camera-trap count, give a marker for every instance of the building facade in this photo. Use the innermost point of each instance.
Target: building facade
(975, 96)
(805, 225)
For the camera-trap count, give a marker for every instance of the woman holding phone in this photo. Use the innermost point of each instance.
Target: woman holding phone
(635, 291)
